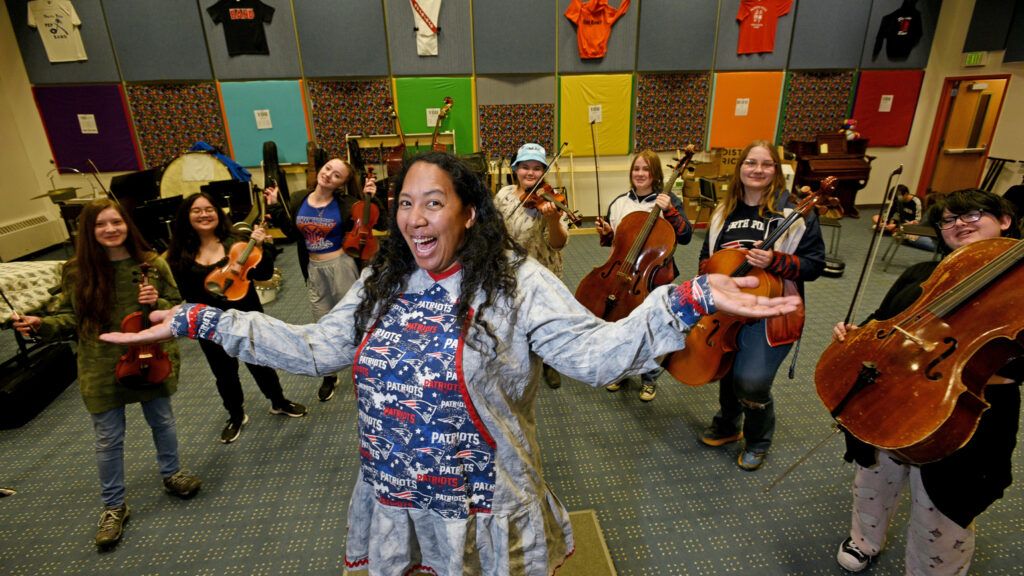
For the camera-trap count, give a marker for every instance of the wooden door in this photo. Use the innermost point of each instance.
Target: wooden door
(964, 145)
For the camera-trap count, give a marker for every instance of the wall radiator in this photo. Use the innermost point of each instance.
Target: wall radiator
(29, 235)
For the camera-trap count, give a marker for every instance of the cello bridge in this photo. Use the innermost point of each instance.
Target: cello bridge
(927, 347)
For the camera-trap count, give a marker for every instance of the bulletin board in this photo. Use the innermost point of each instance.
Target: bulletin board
(454, 47)
(621, 56)
(671, 110)
(676, 35)
(513, 37)
(170, 118)
(341, 40)
(144, 32)
(88, 123)
(759, 93)
(892, 127)
(415, 95)
(289, 128)
(815, 103)
(513, 110)
(614, 93)
(726, 57)
(338, 108)
(100, 66)
(281, 62)
(829, 34)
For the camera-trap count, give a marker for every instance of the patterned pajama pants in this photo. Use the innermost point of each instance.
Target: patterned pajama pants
(936, 546)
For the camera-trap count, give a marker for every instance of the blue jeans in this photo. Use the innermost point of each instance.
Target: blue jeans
(745, 393)
(109, 430)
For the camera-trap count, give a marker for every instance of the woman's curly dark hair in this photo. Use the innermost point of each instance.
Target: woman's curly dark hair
(963, 201)
(484, 254)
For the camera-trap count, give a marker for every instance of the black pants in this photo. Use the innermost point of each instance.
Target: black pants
(225, 370)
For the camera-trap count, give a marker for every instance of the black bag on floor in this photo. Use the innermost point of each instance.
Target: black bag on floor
(27, 385)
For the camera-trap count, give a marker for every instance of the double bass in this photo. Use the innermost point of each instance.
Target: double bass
(915, 384)
(441, 115)
(641, 260)
(395, 155)
(711, 343)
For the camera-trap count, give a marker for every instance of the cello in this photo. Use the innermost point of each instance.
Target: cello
(635, 267)
(441, 115)
(142, 365)
(359, 243)
(711, 343)
(914, 384)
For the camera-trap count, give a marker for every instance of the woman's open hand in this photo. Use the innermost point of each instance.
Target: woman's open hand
(729, 298)
(158, 332)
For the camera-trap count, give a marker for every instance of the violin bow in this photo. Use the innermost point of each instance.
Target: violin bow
(802, 459)
(865, 273)
(540, 180)
(15, 315)
(597, 173)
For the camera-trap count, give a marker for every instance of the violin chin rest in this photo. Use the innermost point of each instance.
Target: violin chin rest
(214, 288)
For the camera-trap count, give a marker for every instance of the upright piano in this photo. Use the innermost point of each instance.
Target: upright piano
(833, 155)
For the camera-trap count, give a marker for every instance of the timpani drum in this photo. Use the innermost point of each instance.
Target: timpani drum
(188, 172)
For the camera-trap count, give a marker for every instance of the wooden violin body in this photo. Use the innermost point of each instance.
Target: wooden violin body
(232, 280)
(146, 364)
(914, 384)
(359, 243)
(711, 344)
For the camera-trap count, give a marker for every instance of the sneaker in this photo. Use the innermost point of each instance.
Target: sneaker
(647, 391)
(182, 484)
(552, 377)
(233, 429)
(712, 436)
(290, 408)
(111, 526)
(326, 391)
(615, 386)
(751, 460)
(851, 558)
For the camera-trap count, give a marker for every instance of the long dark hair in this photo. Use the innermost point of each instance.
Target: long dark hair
(963, 201)
(185, 240)
(91, 270)
(486, 266)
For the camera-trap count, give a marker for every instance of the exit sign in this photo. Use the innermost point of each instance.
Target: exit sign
(975, 58)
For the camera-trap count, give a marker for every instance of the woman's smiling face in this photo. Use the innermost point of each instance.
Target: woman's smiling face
(432, 218)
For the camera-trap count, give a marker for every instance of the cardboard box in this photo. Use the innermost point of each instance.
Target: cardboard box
(727, 159)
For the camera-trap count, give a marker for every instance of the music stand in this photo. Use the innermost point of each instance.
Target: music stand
(232, 194)
(154, 219)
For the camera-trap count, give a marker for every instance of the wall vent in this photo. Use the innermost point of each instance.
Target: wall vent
(29, 235)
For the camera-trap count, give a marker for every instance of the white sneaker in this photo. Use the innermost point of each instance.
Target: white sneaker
(851, 558)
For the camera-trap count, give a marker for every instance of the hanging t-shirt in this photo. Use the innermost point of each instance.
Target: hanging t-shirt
(594, 22)
(243, 22)
(424, 15)
(900, 30)
(758, 20)
(58, 26)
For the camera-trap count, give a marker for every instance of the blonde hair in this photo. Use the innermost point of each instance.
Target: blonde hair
(770, 197)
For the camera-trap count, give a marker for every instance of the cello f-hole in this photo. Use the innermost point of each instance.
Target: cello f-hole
(929, 370)
(709, 340)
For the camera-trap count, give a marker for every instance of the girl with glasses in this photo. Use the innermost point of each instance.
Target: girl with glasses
(755, 205)
(946, 495)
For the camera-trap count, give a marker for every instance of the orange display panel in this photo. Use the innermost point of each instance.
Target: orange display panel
(745, 107)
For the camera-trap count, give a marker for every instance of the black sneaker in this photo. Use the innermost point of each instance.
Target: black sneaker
(851, 558)
(326, 391)
(111, 526)
(182, 484)
(552, 377)
(289, 408)
(233, 429)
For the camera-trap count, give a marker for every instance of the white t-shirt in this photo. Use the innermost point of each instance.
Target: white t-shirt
(426, 37)
(58, 25)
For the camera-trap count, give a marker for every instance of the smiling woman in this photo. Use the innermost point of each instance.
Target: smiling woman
(446, 332)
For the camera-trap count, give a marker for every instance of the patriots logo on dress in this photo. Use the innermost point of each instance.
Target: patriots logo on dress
(406, 458)
(435, 453)
(390, 354)
(380, 445)
(418, 498)
(424, 409)
(443, 357)
(403, 433)
(474, 458)
(455, 420)
(445, 321)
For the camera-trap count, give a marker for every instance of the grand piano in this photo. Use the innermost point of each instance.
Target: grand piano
(833, 155)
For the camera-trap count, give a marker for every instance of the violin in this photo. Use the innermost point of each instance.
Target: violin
(711, 343)
(232, 280)
(142, 365)
(635, 267)
(544, 195)
(359, 243)
(915, 384)
(441, 115)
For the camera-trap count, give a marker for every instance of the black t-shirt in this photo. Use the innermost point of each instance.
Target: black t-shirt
(742, 228)
(243, 25)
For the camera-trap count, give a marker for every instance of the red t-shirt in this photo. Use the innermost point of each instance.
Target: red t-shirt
(757, 20)
(593, 22)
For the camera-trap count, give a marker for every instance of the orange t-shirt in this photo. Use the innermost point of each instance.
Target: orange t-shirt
(593, 22)
(758, 19)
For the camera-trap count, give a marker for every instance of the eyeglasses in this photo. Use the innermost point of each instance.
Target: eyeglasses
(207, 210)
(751, 163)
(966, 218)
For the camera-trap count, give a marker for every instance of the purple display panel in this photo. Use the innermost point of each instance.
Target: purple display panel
(88, 123)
